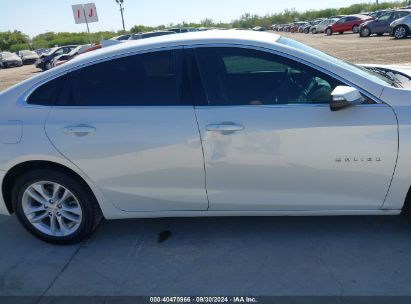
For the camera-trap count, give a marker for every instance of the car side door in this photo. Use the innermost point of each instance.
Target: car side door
(126, 123)
(271, 142)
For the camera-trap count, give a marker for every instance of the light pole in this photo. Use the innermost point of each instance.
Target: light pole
(120, 3)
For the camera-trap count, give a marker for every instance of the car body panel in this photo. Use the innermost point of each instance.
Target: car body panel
(142, 158)
(282, 150)
(342, 25)
(36, 145)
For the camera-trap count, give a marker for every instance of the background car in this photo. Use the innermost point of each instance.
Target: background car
(121, 37)
(28, 57)
(81, 49)
(400, 28)
(45, 60)
(347, 24)
(10, 60)
(150, 34)
(320, 27)
(307, 28)
(259, 29)
(381, 25)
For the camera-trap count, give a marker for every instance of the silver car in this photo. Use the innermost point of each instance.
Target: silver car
(320, 27)
(217, 123)
(401, 28)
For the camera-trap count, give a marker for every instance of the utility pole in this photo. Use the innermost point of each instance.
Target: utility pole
(120, 3)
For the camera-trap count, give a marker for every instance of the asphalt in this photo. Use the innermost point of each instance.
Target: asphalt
(333, 256)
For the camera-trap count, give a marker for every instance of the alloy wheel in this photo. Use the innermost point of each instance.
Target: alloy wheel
(52, 209)
(400, 32)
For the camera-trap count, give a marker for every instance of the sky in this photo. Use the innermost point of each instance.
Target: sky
(34, 17)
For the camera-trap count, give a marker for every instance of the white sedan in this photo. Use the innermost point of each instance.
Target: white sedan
(219, 123)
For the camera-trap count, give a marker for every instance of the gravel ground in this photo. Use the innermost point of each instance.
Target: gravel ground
(349, 47)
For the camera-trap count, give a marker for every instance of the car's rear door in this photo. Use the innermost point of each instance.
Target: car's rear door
(271, 142)
(126, 123)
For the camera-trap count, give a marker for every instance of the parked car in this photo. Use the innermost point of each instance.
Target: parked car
(381, 25)
(28, 57)
(42, 51)
(302, 26)
(320, 27)
(45, 60)
(401, 28)
(294, 28)
(121, 37)
(347, 24)
(150, 35)
(10, 60)
(180, 30)
(307, 28)
(81, 49)
(259, 29)
(96, 143)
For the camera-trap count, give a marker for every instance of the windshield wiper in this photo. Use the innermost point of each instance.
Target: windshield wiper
(394, 81)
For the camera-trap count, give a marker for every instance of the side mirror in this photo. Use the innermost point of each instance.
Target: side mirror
(344, 97)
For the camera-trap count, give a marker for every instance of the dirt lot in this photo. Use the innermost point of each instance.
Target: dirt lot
(351, 48)
(347, 47)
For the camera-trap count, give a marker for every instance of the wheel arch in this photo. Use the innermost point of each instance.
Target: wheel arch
(21, 168)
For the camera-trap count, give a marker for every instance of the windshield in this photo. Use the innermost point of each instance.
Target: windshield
(25, 53)
(378, 78)
(7, 55)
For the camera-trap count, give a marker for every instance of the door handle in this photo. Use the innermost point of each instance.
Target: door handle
(225, 128)
(79, 129)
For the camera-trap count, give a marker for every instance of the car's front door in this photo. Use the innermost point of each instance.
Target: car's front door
(127, 125)
(271, 142)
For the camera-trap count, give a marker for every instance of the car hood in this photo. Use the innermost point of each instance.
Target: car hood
(33, 56)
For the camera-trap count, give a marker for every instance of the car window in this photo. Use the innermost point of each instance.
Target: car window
(149, 79)
(48, 93)
(385, 17)
(239, 76)
(398, 15)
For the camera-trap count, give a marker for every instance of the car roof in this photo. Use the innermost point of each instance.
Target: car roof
(184, 39)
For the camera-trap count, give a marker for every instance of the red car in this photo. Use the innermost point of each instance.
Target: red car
(347, 24)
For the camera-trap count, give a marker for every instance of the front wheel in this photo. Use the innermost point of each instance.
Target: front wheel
(314, 31)
(54, 207)
(328, 32)
(306, 31)
(365, 32)
(401, 32)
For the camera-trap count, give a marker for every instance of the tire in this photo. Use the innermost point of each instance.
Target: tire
(68, 204)
(306, 31)
(47, 66)
(365, 32)
(314, 31)
(401, 32)
(328, 31)
(355, 29)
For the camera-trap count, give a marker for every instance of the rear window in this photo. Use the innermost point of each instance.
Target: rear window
(48, 93)
(149, 79)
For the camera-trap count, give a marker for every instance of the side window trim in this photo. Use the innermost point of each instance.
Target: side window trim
(373, 98)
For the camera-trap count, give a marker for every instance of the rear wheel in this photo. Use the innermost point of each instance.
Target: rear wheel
(401, 32)
(328, 31)
(306, 31)
(355, 29)
(54, 207)
(365, 32)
